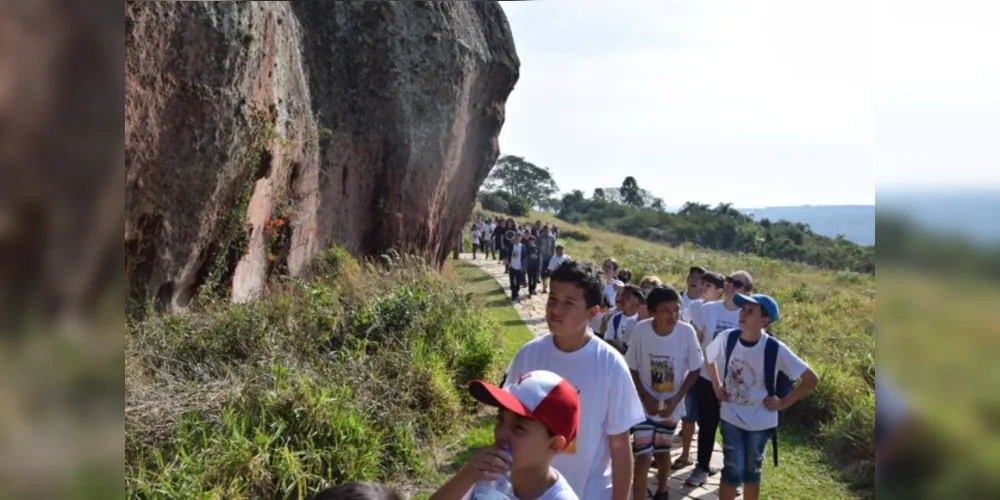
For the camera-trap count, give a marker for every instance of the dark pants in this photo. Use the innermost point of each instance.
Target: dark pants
(533, 271)
(489, 250)
(708, 422)
(475, 248)
(516, 282)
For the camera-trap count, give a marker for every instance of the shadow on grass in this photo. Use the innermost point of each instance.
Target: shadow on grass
(500, 303)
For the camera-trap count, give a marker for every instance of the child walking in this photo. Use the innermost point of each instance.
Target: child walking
(738, 364)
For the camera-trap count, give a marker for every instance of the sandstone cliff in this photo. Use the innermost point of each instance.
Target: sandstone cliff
(259, 133)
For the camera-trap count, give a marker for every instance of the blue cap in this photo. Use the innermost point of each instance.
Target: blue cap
(769, 305)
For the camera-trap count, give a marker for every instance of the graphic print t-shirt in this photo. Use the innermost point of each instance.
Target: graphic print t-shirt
(609, 405)
(663, 362)
(715, 319)
(745, 380)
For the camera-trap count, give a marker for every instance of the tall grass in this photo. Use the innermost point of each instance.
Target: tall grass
(346, 376)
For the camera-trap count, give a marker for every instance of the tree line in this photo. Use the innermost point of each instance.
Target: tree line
(516, 186)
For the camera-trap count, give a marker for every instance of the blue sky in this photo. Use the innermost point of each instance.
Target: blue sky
(762, 103)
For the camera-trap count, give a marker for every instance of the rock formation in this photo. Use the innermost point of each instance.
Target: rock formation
(257, 134)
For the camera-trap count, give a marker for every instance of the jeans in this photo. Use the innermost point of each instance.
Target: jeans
(533, 271)
(516, 282)
(708, 421)
(743, 454)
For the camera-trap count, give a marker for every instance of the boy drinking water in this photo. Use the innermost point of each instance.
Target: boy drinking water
(539, 417)
(737, 366)
(664, 357)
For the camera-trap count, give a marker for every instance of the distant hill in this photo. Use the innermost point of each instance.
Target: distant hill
(972, 213)
(855, 222)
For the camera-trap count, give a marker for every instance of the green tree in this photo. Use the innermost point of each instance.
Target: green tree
(631, 194)
(518, 177)
(599, 194)
(657, 205)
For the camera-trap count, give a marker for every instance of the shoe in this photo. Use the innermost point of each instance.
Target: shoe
(680, 464)
(663, 495)
(698, 477)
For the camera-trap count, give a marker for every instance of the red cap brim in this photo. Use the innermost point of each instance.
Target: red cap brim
(491, 395)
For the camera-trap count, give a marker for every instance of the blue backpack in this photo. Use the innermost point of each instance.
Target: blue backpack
(776, 382)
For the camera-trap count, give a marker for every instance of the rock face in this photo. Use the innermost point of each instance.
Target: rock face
(260, 133)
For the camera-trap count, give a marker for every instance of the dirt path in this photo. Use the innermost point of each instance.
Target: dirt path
(532, 311)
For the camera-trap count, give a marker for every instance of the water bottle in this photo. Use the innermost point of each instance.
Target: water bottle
(496, 489)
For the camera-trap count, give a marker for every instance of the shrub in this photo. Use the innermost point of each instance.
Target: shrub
(506, 203)
(347, 376)
(574, 235)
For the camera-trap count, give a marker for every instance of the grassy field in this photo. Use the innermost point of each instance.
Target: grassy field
(828, 318)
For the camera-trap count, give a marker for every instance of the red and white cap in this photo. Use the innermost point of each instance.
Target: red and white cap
(539, 395)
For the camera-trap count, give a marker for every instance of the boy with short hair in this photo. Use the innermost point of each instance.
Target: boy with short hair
(556, 261)
(693, 291)
(609, 405)
(547, 248)
(750, 404)
(532, 264)
(664, 357)
(475, 236)
(715, 317)
(517, 269)
(617, 324)
(712, 284)
(539, 417)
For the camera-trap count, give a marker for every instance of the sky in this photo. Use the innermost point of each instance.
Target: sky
(756, 103)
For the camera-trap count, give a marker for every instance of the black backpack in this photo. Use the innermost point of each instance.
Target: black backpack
(776, 382)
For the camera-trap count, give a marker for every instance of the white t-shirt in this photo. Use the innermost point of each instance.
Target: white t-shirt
(560, 490)
(515, 256)
(745, 380)
(609, 406)
(663, 362)
(715, 319)
(685, 301)
(688, 311)
(595, 324)
(610, 293)
(476, 235)
(614, 335)
(557, 261)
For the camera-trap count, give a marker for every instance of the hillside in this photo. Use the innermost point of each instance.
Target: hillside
(854, 222)
(828, 319)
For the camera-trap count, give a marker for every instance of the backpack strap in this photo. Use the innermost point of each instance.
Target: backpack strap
(771, 365)
(734, 336)
(770, 379)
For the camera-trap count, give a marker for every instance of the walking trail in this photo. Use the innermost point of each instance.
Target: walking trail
(532, 311)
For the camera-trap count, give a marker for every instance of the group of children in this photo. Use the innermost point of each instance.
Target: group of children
(642, 360)
(529, 254)
(584, 410)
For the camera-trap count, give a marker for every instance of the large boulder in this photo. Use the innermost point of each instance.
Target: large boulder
(260, 133)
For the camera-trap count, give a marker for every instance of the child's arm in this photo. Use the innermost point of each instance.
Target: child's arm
(807, 382)
(487, 464)
(621, 465)
(648, 401)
